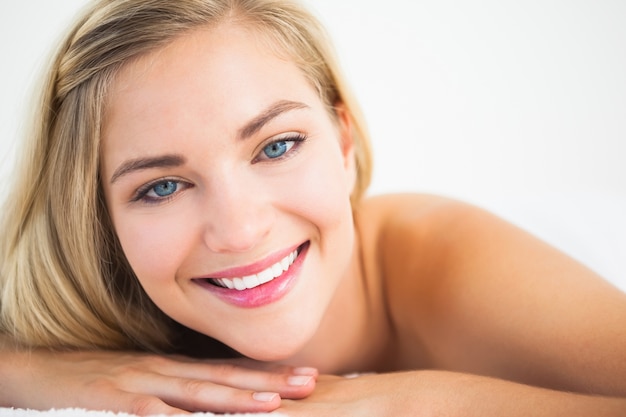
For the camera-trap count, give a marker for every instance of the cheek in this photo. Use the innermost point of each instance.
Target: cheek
(153, 247)
(321, 190)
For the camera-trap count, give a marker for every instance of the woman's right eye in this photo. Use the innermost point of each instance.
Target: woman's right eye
(159, 191)
(165, 189)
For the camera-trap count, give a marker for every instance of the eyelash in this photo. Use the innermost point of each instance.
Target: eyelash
(296, 138)
(142, 193)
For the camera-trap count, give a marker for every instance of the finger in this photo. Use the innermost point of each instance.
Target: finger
(254, 364)
(243, 363)
(289, 382)
(202, 395)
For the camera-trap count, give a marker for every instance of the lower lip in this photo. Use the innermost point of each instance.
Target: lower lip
(264, 294)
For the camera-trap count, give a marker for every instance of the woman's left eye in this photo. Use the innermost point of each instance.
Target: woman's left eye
(279, 148)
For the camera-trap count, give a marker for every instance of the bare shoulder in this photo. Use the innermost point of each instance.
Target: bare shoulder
(474, 293)
(412, 243)
(418, 242)
(416, 233)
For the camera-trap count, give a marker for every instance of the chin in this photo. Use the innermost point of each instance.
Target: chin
(276, 346)
(278, 351)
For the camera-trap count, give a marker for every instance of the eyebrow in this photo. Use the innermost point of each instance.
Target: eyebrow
(249, 129)
(138, 164)
(273, 111)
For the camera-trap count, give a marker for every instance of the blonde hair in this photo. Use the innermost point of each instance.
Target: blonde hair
(64, 279)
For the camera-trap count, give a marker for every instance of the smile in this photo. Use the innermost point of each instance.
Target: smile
(263, 277)
(243, 287)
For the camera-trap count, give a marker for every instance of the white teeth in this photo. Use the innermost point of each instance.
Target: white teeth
(265, 276)
(239, 284)
(251, 281)
(262, 277)
(277, 270)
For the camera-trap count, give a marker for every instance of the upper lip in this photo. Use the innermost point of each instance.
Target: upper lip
(251, 269)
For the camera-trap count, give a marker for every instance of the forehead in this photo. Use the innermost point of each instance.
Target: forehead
(221, 75)
(220, 54)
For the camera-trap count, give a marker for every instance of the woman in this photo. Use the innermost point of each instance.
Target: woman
(195, 187)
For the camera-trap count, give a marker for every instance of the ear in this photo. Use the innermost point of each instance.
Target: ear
(346, 138)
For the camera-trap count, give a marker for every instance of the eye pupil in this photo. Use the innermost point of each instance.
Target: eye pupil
(166, 188)
(276, 149)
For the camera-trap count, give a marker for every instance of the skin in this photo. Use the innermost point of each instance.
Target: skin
(446, 308)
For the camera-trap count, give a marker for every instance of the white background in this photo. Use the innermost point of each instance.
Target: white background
(519, 106)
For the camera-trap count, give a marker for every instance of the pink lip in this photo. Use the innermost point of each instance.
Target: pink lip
(255, 268)
(263, 294)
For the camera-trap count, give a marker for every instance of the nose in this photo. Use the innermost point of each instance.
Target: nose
(238, 216)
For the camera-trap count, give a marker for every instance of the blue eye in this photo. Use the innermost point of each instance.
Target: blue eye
(165, 189)
(277, 149)
(160, 191)
(281, 148)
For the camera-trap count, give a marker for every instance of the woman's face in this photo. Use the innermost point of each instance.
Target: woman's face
(228, 184)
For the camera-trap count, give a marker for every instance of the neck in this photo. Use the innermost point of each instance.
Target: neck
(352, 336)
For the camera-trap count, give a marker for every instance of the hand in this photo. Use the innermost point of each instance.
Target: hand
(364, 395)
(145, 384)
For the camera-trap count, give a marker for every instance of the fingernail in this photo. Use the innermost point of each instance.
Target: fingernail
(304, 371)
(265, 397)
(299, 380)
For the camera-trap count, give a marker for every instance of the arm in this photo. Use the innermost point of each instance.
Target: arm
(142, 384)
(441, 393)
